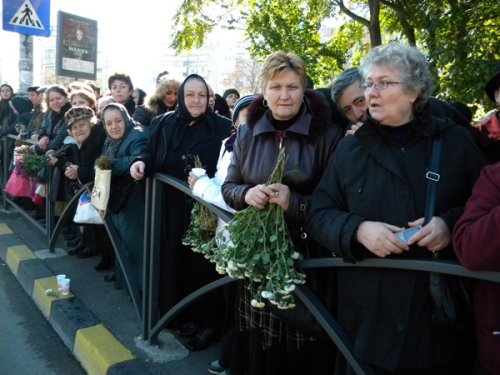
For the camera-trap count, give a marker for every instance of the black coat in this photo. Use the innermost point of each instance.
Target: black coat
(175, 144)
(386, 313)
(54, 126)
(87, 154)
(84, 157)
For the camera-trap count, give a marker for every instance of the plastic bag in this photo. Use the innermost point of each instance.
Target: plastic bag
(86, 213)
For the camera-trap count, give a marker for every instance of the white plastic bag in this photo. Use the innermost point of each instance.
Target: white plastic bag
(86, 213)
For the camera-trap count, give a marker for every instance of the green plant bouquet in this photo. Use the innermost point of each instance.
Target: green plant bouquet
(260, 249)
(202, 224)
(33, 164)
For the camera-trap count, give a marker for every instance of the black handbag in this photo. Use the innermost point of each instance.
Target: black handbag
(451, 295)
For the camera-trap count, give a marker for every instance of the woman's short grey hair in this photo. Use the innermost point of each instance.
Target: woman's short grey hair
(342, 82)
(410, 65)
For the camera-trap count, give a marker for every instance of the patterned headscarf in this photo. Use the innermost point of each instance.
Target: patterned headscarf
(111, 146)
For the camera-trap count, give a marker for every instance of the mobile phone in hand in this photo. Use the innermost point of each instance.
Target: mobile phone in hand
(406, 234)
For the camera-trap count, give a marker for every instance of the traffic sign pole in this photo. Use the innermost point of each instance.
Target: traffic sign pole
(25, 62)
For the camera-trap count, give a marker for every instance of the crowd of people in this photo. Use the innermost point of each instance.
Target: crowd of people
(360, 154)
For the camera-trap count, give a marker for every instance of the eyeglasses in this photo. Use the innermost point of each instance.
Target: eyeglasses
(380, 85)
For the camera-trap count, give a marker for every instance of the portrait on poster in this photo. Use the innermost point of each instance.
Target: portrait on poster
(76, 47)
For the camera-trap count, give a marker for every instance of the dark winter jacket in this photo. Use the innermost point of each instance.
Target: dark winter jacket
(87, 154)
(54, 126)
(487, 136)
(144, 115)
(36, 121)
(23, 107)
(386, 313)
(477, 244)
(309, 143)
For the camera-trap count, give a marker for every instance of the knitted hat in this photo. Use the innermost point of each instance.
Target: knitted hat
(242, 103)
(79, 113)
(493, 84)
(230, 91)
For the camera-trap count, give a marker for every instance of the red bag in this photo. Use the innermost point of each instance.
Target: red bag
(20, 186)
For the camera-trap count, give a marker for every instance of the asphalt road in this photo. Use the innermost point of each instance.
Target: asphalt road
(112, 307)
(28, 344)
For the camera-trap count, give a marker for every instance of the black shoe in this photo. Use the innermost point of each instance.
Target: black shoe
(105, 264)
(77, 249)
(73, 242)
(70, 236)
(86, 253)
(215, 368)
(110, 277)
(189, 329)
(202, 340)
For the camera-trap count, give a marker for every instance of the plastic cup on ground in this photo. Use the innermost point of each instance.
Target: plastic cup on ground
(60, 278)
(65, 287)
(198, 172)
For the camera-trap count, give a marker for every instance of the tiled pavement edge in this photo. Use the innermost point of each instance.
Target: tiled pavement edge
(99, 352)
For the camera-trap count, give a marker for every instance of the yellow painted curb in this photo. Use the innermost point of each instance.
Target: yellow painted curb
(97, 350)
(16, 254)
(39, 295)
(4, 229)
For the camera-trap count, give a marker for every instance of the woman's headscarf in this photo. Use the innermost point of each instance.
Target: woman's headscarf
(182, 112)
(182, 117)
(111, 146)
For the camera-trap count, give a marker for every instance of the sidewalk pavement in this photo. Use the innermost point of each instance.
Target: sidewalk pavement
(95, 321)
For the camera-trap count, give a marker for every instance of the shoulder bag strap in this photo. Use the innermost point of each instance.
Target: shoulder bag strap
(433, 177)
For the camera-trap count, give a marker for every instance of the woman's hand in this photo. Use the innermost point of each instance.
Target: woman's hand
(280, 195)
(51, 159)
(258, 196)
(434, 236)
(192, 178)
(43, 143)
(379, 238)
(353, 129)
(137, 170)
(71, 172)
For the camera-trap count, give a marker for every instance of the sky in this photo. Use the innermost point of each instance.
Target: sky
(133, 34)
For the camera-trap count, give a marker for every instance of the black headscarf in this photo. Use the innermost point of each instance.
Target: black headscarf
(182, 117)
(111, 146)
(182, 112)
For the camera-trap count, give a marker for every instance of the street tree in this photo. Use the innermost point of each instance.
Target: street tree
(244, 77)
(459, 37)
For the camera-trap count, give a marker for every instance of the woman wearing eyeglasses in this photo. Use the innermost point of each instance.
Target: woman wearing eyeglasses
(375, 187)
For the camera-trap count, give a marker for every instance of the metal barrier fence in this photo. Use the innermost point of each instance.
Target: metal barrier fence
(147, 308)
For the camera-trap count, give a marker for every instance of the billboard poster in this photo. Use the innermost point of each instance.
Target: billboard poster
(76, 54)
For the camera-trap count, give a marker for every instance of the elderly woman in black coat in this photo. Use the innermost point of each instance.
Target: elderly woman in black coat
(193, 130)
(299, 120)
(375, 187)
(78, 165)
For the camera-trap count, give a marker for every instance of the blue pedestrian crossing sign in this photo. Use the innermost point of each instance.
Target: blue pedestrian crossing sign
(30, 17)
